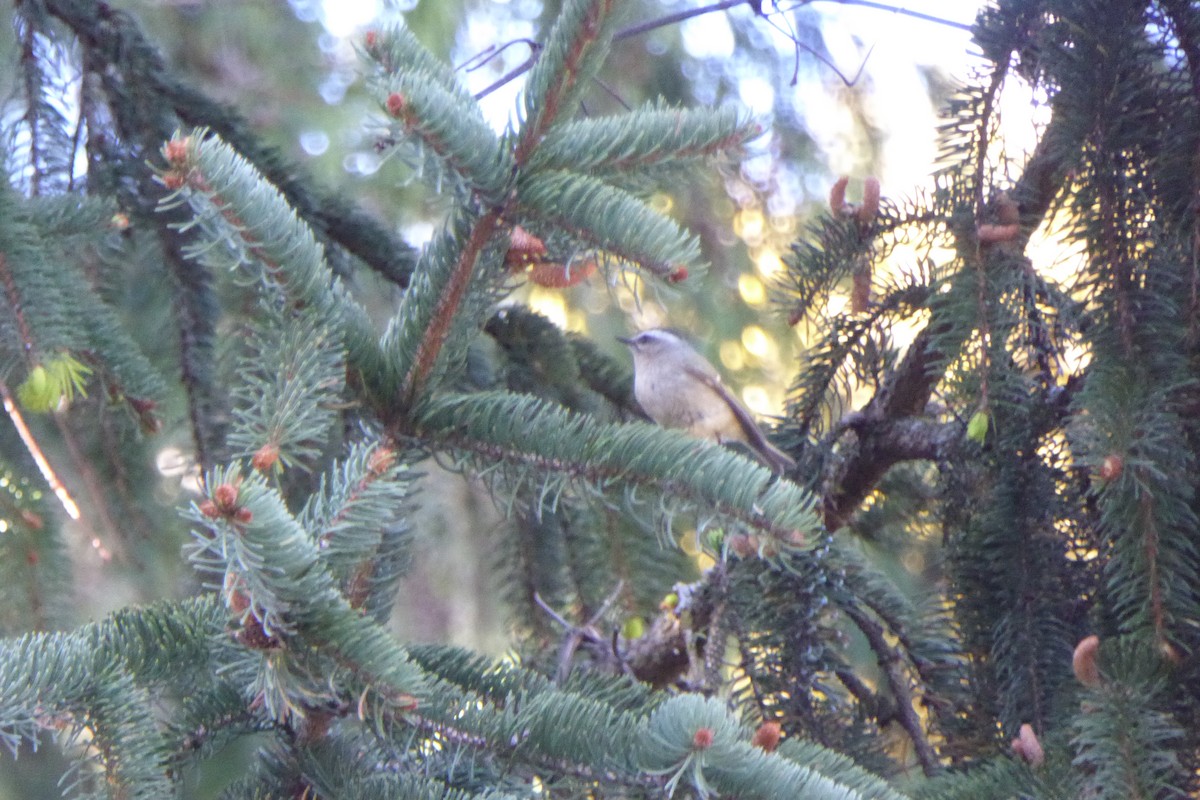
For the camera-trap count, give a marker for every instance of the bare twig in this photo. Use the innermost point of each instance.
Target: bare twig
(578, 634)
(904, 12)
(891, 662)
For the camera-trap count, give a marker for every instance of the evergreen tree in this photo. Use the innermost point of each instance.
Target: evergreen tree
(1033, 442)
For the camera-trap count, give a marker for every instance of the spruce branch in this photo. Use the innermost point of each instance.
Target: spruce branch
(251, 542)
(1125, 743)
(142, 89)
(51, 680)
(242, 221)
(648, 137)
(695, 741)
(292, 376)
(573, 51)
(453, 130)
(610, 219)
(459, 261)
(527, 434)
(428, 103)
(355, 516)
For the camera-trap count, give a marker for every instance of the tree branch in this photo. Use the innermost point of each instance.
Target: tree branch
(119, 46)
(889, 428)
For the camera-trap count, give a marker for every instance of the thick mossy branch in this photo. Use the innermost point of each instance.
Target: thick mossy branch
(647, 138)
(573, 52)
(242, 220)
(526, 433)
(125, 738)
(611, 219)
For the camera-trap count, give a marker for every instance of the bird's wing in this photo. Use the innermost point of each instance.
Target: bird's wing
(775, 458)
(745, 421)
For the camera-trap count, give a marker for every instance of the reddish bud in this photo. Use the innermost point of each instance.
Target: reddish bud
(1169, 652)
(767, 736)
(678, 275)
(523, 249)
(172, 180)
(32, 558)
(209, 509)
(255, 636)
(870, 204)
(237, 599)
(175, 151)
(226, 496)
(837, 195)
(702, 739)
(243, 515)
(395, 104)
(1027, 747)
(553, 275)
(993, 234)
(742, 545)
(371, 39)
(1111, 467)
(142, 405)
(794, 317)
(1083, 661)
(119, 221)
(266, 457)
(1007, 210)
(32, 519)
(381, 460)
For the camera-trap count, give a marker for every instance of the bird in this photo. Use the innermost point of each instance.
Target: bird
(678, 388)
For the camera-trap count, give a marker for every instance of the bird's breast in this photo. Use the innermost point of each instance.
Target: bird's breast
(681, 401)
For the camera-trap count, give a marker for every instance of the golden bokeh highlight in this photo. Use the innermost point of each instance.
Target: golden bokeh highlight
(733, 355)
(748, 225)
(758, 399)
(550, 303)
(751, 289)
(768, 264)
(758, 343)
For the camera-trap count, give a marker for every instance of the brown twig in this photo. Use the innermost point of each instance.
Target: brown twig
(891, 661)
(577, 634)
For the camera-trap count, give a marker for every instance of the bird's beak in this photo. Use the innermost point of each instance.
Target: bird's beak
(626, 340)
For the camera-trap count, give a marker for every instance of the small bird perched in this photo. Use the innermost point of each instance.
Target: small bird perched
(678, 388)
